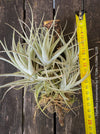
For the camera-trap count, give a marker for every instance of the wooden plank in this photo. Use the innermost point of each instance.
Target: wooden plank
(11, 107)
(93, 25)
(75, 124)
(42, 125)
(66, 12)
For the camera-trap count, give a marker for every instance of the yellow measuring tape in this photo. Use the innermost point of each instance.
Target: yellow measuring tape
(86, 85)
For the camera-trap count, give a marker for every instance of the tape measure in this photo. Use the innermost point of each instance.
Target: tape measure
(86, 85)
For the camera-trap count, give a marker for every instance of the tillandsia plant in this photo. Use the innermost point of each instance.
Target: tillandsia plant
(48, 66)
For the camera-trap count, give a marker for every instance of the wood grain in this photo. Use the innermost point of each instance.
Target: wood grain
(11, 107)
(42, 124)
(93, 27)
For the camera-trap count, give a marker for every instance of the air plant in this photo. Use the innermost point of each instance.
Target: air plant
(49, 71)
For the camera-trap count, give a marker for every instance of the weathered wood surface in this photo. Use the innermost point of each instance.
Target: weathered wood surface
(42, 124)
(11, 107)
(16, 113)
(93, 26)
